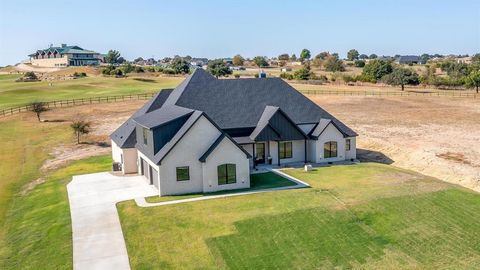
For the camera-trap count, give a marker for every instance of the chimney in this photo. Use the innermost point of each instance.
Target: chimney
(64, 45)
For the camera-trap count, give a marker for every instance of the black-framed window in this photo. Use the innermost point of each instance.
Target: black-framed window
(183, 173)
(330, 149)
(145, 136)
(348, 145)
(285, 150)
(227, 174)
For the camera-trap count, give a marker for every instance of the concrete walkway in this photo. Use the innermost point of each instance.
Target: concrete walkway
(98, 241)
(140, 201)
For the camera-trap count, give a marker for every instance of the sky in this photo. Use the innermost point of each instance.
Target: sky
(215, 29)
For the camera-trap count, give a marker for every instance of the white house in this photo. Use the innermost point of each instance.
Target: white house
(207, 134)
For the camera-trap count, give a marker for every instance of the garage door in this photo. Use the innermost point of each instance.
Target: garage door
(154, 177)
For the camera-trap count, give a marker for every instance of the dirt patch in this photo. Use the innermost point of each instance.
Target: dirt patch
(31, 186)
(435, 136)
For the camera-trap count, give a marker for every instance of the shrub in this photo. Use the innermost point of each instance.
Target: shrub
(376, 69)
(79, 75)
(127, 68)
(333, 64)
(359, 63)
(287, 76)
(139, 69)
(151, 69)
(349, 78)
(236, 76)
(108, 70)
(168, 71)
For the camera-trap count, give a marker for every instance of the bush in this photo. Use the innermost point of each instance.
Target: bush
(79, 75)
(376, 69)
(159, 69)
(151, 69)
(139, 69)
(168, 71)
(236, 76)
(287, 76)
(256, 75)
(108, 70)
(333, 64)
(349, 78)
(116, 72)
(359, 63)
(127, 68)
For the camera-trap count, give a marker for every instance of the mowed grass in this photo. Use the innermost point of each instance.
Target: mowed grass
(20, 93)
(37, 228)
(258, 181)
(364, 216)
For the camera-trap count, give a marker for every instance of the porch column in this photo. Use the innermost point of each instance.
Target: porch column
(305, 151)
(278, 152)
(253, 156)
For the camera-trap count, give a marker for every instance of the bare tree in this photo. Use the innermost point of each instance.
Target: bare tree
(80, 127)
(38, 107)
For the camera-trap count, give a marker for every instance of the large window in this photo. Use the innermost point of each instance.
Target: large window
(183, 173)
(227, 174)
(330, 150)
(348, 145)
(145, 135)
(285, 149)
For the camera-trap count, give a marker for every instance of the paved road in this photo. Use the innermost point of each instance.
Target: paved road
(98, 241)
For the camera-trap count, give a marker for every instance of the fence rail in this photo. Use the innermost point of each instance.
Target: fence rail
(77, 102)
(389, 93)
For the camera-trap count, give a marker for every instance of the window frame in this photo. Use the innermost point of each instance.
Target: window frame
(348, 144)
(182, 168)
(229, 171)
(145, 136)
(284, 154)
(329, 149)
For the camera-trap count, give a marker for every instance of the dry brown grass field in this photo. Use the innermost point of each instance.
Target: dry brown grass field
(436, 136)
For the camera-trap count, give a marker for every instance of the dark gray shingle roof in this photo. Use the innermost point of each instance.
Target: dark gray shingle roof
(125, 136)
(162, 116)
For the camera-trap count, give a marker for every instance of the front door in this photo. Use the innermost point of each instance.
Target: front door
(260, 153)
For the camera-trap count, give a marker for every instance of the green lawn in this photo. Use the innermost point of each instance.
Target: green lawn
(258, 181)
(364, 216)
(20, 93)
(37, 228)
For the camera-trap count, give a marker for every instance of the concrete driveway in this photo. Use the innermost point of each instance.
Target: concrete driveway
(98, 241)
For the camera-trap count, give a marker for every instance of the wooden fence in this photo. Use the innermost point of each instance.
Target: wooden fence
(390, 93)
(77, 102)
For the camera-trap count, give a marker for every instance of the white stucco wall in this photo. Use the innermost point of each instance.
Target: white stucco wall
(331, 133)
(249, 149)
(186, 153)
(129, 162)
(352, 154)
(312, 150)
(226, 152)
(298, 152)
(50, 62)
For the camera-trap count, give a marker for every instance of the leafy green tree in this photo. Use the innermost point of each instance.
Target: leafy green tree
(284, 57)
(127, 68)
(372, 56)
(473, 80)
(401, 76)
(293, 57)
(352, 55)
(376, 69)
(303, 73)
(333, 64)
(218, 68)
(38, 108)
(238, 60)
(179, 65)
(260, 61)
(112, 57)
(80, 127)
(363, 56)
(305, 54)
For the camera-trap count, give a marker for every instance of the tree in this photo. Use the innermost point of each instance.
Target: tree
(373, 56)
(305, 54)
(30, 76)
(179, 65)
(359, 63)
(218, 68)
(303, 73)
(473, 80)
(333, 64)
(80, 127)
(127, 68)
(363, 56)
(352, 55)
(293, 57)
(284, 57)
(401, 76)
(112, 57)
(376, 69)
(260, 61)
(38, 107)
(238, 60)
(322, 55)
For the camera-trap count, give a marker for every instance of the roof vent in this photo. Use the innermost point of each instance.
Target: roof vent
(64, 45)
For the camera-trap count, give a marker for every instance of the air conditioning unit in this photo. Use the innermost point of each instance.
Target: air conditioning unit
(117, 166)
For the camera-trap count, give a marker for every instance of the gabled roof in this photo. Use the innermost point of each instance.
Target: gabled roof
(65, 49)
(239, 103)
(282, 128)
(125, 136)
(214, 145)
(162, 116)
(322, 125)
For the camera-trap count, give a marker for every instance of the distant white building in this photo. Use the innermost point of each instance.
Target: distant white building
(65, 56)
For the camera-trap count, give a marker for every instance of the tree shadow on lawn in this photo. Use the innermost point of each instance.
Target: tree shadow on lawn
(145, 80)
(367, 155)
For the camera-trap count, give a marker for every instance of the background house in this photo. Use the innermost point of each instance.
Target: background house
(64, 56)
